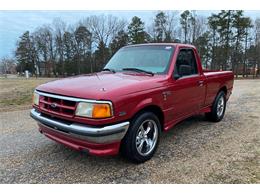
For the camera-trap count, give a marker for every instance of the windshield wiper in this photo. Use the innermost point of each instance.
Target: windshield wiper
(138, 70)
(109, 69)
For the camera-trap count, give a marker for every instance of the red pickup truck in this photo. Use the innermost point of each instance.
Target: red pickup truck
(142, 91)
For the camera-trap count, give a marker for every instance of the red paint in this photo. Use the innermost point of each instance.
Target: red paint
(131, 92)
(81, 145)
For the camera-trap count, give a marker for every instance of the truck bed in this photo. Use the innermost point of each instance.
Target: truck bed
(217, 80)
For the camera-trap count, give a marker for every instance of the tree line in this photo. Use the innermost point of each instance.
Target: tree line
(227, 40)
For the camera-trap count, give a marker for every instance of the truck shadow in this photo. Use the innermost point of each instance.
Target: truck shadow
(185, 133)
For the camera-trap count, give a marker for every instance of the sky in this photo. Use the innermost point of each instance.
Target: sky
(14, 23)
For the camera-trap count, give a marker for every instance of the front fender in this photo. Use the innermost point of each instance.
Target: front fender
(144, 103)
(134, 104)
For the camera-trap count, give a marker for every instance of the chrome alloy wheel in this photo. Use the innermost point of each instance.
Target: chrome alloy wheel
(147, 136)
(220, 106)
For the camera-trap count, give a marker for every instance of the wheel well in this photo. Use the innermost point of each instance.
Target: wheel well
(154, 109)
(223, 89)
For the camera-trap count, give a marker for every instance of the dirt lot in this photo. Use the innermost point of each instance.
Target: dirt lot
(194, 151)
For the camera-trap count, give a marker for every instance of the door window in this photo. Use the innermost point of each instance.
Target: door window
(186, 63)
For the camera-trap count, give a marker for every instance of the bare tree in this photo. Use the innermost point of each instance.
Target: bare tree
(172, 23)
(59, 30)
(7, 65)
(43, 40)
(201, 26)
(104, 28)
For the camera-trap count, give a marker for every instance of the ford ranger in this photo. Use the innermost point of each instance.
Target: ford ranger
(142, 91)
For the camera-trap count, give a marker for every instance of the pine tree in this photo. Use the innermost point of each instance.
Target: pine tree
(241, 25)
(225, 32)
(185, 23)
(213, 25)
(83, 47)
(25, 53)
(69, 52)
(119, 41)
(136, 31)
(160, 27)
(203, 46)
(101, 56)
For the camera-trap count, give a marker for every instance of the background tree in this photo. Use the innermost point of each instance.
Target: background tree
(83, 48)
(241, 25)
(163, 28)
(7, 66)
(160, 27)
(103, 28)
(59, 29)
(225, 40)
(43, 43)
(225, 20)
(120, 40)
(185, 21)
(204, 48)
(69, 53)
(101, 56)
(24, 53)
(257, 46)
(247, 24)
(213, 26)
(136, 31)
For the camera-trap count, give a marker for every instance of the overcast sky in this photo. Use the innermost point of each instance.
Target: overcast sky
(14, 23)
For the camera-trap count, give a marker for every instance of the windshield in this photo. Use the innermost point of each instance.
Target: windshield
(152, 58)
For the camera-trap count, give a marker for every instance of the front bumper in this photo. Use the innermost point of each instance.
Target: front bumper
(70, 133)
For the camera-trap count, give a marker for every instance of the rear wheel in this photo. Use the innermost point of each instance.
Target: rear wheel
(218, 108)
(142, 138)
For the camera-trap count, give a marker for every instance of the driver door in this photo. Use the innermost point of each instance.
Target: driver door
(188, 91)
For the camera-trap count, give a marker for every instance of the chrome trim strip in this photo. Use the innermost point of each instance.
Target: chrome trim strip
(99, 135)
(73, 98)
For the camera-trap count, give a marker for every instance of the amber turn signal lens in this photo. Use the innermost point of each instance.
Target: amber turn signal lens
(101, 111)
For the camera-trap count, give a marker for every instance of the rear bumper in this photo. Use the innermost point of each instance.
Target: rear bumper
(94, 140)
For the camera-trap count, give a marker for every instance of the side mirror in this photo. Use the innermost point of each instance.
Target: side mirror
(176, 76)
(184, 70)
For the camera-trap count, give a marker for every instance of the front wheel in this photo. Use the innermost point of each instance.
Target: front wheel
(142, 138)
(218, 108)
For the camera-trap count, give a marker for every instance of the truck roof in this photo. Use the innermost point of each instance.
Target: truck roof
(166, 44)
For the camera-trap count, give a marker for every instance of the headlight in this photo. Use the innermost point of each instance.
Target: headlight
(94, 110)
(36, 98)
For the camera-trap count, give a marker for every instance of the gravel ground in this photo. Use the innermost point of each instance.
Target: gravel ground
(194, 151)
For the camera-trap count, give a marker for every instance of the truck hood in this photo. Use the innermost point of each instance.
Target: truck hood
(102, 85)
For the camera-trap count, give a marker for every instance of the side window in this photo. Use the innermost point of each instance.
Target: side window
(186, 63)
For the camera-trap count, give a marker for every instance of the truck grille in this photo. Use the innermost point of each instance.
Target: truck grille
(57, 106)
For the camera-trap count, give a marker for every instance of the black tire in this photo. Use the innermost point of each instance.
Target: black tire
(131, 139)
(214, 115)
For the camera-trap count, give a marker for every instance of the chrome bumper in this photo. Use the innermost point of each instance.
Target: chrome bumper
(105, 134)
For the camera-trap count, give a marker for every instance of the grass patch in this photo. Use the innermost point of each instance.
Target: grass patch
(16, 93)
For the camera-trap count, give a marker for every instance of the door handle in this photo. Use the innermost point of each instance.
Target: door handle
(200, 83)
